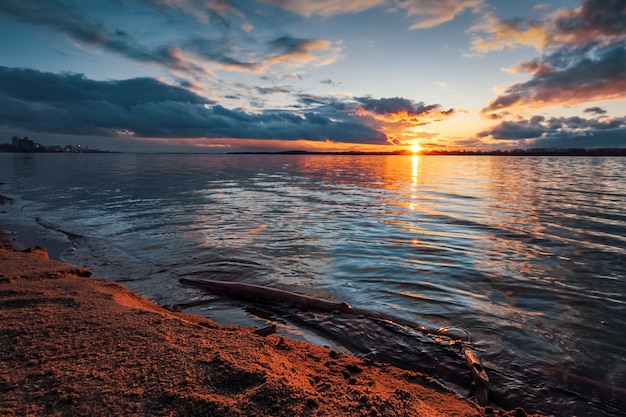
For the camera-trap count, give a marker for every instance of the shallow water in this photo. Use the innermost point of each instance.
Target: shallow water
(528, 254)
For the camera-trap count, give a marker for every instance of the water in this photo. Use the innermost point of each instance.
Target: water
(528, 254)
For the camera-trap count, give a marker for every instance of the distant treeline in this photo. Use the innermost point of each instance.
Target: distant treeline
(513, 152)
(536, 152)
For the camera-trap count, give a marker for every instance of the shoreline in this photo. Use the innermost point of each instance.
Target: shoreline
(76, 346)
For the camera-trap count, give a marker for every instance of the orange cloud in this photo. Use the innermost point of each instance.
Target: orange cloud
(582, 77)
(326, 8)
(399, 119)
(431, 13)
(304, 51)
(584, 56)
(256, 145)
(427, 13)
(598, 21)
(406, 119)
(508, 33)
(203, 11)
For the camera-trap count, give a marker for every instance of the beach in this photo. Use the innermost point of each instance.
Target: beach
(77, 345)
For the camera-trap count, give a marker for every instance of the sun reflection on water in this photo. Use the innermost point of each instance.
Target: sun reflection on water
(414, 177)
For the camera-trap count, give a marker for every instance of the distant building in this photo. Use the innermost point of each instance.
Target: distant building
(23, 144)
(26, 145)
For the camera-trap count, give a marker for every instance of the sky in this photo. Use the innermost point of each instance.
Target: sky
(318, 75)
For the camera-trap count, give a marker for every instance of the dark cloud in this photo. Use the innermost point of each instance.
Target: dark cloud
(595, 110)
(274, 90)
(314, 100)
(219, 49)
(290, 49)
(222, 51)
(43, 87)
(424, 13)
(398, 117)
(596, 19)
(330, 82)
(584, 56)
(524, 129)
(602, 139)
(562, 131)
(145, 107)
(398, 105)
(569, 76)
(62, 17)
(216, 12)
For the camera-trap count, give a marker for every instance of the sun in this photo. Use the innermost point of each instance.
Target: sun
(415, 147)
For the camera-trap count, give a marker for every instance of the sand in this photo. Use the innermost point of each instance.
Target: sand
(74, 345)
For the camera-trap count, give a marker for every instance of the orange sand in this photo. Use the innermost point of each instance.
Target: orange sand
(77, 346)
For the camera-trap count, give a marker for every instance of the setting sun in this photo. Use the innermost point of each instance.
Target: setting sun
(415, 147)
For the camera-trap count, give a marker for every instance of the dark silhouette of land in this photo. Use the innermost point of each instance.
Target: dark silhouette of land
(27, 145)
(514, 152)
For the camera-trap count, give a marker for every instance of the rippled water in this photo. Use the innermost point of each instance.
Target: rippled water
(528, 254)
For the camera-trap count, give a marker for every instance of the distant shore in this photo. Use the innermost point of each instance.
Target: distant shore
(73, 345)
(514, 152)
(8, 148)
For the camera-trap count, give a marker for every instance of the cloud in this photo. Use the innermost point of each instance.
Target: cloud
(595, 110)
(595, 20)
(68, 103)
(399, 118)
(540, 131)
(303, 51)
(330, 83)
(426, 13)
(583, 55)
(278, 89)
(33, 86)
(568, 76)
(63, 18)
(402, 110)
(598, 21)
(325, 8)
(193, 58)
(72, 104)
(223, 53)
(215, 11)
(508, 33)
(431, 13)
(145, 107)
(395, 105)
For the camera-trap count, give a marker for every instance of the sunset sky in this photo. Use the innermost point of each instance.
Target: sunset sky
(237, 75)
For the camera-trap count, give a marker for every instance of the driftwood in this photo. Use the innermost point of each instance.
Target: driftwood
(478, 373)
(266, 331)
(261, 294)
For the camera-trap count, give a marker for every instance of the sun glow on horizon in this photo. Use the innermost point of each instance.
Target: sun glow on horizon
(415, 147)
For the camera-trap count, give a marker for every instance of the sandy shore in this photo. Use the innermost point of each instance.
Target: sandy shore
(76, 346)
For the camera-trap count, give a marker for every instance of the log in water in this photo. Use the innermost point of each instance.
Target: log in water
(262, 294)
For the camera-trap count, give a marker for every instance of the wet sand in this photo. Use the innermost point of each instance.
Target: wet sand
(73, 345)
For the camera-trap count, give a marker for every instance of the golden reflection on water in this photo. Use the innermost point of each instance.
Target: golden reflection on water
(495, 213)
(488, 204)
(414, 176)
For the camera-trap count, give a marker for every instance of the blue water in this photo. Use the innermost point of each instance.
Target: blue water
(528, 254)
